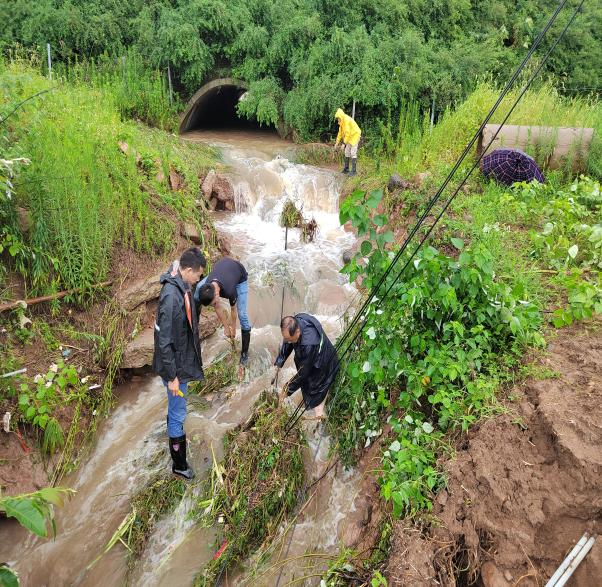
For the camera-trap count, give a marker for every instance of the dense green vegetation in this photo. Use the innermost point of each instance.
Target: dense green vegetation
(304, 58)
(88, 180)
(504, 264)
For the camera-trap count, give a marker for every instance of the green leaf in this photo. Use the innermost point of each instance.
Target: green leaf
(27, 513)
(458, 243)
(395, 446)
(8, 578)
(53, 495)
(427, 427)
(374, 199)
(388, 237)
(465, 258)
(365, 248)
(573, 251)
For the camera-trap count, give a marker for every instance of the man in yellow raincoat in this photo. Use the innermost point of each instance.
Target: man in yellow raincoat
(349, 135)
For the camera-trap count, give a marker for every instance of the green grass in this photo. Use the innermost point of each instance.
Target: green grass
(158, 498)
(407, 145)
(85, 195)
(220, 374)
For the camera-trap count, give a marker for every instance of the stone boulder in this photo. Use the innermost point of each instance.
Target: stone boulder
(419, 179)
(176, 181)
(138, 292)
(139, 352)
(218, 191)
(396, 182)
(190, 232)
(209, 323)
(24, 219)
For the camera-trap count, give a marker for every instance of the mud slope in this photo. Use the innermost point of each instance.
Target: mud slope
(524, 486)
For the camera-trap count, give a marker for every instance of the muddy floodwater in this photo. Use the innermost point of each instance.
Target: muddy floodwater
(132, 446)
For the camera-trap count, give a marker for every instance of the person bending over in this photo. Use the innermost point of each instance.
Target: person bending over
(315, 358)
(228, 279)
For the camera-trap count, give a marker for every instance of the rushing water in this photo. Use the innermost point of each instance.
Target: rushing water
(131, 445)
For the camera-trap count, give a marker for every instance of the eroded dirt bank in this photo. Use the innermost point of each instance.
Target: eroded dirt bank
(524, 486)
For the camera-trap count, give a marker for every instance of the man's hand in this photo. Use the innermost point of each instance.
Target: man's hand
(174, 387)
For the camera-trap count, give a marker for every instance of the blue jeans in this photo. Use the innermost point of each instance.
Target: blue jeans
(176, 411)
(242, 293)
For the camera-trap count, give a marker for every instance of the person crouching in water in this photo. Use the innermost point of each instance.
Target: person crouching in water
(177, 355)
(315, 358)
(229, 279)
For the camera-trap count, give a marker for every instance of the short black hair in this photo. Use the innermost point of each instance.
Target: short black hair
(206, 294)
(193, 258)
(290, 324)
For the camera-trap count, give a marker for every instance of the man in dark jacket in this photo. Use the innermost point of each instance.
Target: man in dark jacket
(315, 358)
(177, 357)
(228, 279)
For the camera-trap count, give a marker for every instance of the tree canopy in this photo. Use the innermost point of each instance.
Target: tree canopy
(305, 58)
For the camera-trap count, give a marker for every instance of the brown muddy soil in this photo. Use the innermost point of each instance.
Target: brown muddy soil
(524, 486)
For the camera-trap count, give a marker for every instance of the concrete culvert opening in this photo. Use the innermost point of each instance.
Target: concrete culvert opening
(213, 107)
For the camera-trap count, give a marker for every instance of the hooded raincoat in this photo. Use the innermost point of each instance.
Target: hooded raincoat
(316, 361)
(349, 131)
(177, 345)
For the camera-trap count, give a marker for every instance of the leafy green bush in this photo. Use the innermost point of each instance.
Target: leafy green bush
(430, 355)
(85, 188)
(304, 59)
(566, 238)
(53, 390)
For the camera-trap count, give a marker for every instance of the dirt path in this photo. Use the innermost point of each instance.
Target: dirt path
(524, 486)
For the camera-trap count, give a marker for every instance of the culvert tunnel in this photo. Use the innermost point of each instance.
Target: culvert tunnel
(213, 107)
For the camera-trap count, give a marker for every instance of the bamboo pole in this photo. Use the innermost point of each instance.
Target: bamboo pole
(61, 294)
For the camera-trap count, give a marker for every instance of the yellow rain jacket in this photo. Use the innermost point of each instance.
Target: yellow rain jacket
(349, 131)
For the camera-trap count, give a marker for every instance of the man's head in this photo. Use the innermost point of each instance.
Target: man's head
(290, 329)
(192, 265)
(339, 115)
(207, 294)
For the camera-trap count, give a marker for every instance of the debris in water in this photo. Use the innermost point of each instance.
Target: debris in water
(255, 487)
(292, 217)
(222, 373)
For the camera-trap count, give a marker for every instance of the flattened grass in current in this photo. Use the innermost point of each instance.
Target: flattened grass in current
(255, 487)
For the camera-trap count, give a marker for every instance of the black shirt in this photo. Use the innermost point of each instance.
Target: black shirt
(228, 273)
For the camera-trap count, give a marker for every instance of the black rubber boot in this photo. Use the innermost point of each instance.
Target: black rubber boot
(177, 448)
(245, 336)
(346, 168)
(353, 164)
